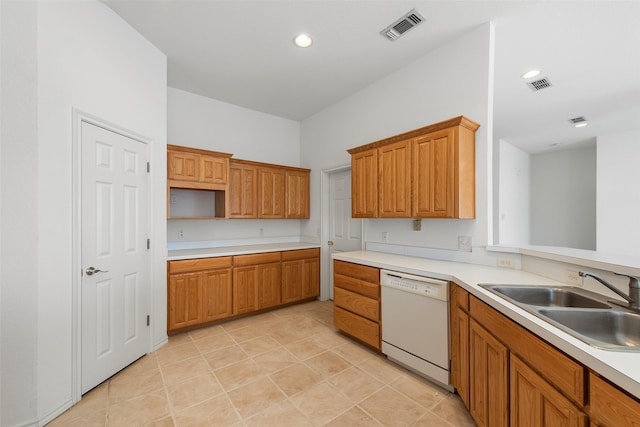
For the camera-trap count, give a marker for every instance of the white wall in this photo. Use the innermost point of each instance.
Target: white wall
(563, 198)
(201, 122)
(514, 195)
(18, 213)
(90, 59)
(452, 80)
(618, 200)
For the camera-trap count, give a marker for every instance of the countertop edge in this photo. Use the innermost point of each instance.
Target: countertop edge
(181, 254)
(613, 365)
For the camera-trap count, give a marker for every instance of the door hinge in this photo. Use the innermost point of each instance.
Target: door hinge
(148, 243)
(148, 167)
(148, 320)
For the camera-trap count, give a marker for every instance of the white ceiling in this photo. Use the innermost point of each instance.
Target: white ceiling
(241, 52)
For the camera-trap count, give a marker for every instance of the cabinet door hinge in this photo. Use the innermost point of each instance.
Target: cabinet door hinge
(148, 167)
(148, 320)
(148, 243)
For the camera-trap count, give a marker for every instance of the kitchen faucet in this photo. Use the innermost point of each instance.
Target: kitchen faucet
(634, 288)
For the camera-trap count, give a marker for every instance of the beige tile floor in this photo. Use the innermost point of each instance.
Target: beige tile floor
(288, 367)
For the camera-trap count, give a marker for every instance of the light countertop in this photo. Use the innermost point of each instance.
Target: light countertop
(178, 254)
(620, 367)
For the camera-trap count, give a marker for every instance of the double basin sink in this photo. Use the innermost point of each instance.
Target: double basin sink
(586, 315)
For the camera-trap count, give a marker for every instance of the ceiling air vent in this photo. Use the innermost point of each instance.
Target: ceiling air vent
(577, 120)
(402, 25)
(539, 84)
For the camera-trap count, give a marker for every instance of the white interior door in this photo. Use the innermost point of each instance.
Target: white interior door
(345, 233)
(114, 254)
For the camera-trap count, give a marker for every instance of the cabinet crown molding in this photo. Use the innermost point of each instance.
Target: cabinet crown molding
(456, 121)
(197, 151)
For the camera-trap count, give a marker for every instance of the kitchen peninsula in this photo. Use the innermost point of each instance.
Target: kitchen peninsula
(607, 383)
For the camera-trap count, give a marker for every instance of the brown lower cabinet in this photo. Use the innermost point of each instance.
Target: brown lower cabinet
(610, 406)
(199, 291)
(204, 290)
(300, 275)
(507, 375)
(356, 299)
(257, 282)
(489, 388)
(535, 402)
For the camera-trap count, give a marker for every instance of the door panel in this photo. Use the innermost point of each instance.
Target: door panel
(114, 216)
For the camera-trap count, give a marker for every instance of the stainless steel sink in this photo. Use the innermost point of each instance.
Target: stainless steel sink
(601, 328)
(585, 315)
(545, 296)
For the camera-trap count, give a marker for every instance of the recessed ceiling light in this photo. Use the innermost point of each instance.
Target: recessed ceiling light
(580, 125)
(303, 40)
(530, 74)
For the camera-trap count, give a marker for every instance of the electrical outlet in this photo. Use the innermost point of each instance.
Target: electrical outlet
(573, 278)
(261, 231)
(505, 262)
(464, 243)
(180, 234)
(417, 224)
(385, 236)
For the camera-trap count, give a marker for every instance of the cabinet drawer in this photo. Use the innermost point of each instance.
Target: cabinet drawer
(358, 304)
(362, 272)
(557, 368)
(300, 254)
(610, 406)
(356, 285)
(268, 257)
(199, 264)
(358, 327)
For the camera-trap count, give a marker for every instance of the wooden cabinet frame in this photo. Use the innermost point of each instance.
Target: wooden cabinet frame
(204, 290)
(241, 188)
(490, 353)
(357, 302)
(434, 178)
(263, 190)
(195, 170)
(300, 274)
(192, 284)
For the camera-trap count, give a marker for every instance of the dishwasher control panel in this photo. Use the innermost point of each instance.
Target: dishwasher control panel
(420, 285)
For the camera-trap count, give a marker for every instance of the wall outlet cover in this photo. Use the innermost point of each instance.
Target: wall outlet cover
(505, 262)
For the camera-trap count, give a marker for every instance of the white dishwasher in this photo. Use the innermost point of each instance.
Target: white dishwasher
(415, 324)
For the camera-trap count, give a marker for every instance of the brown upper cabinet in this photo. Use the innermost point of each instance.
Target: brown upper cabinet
(271, 191)
(243, 190)
(394, 178)
(197, 183)
(220, 187)
(364, 184)
(260, 190)
(297, 194)
(198, 169)
(425, 173)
